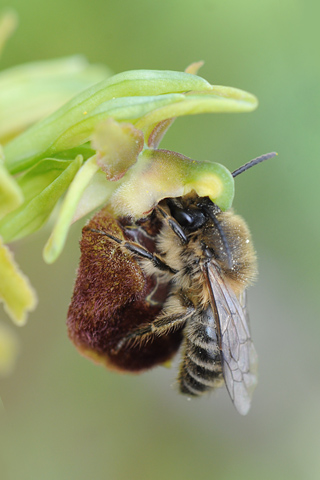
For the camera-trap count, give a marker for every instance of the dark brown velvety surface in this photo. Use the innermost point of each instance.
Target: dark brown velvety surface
(109, 298)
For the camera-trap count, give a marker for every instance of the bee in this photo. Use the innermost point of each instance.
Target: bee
(202, 260)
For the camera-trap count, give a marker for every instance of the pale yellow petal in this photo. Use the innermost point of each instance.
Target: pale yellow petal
(16, 292)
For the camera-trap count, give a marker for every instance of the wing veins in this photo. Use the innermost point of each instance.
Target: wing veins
(238, 357)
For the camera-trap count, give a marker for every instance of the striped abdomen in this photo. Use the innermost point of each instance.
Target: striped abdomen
(200, 369)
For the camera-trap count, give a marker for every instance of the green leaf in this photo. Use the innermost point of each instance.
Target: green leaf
(15, 289)
(42, 187)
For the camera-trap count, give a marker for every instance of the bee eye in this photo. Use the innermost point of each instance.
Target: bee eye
(191, 219)
(183, 218)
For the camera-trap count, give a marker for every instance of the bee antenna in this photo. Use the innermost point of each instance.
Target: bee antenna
(253, 162)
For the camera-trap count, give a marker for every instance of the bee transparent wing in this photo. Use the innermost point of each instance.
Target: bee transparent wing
(238, 355)
(243, 303)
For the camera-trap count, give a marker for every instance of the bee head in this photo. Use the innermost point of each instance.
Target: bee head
(193, 213)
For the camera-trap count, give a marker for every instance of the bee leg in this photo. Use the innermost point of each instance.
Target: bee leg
(161, 326)
(138, 250)
(173, 224)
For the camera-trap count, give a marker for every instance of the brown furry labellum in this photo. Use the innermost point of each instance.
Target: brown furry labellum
(111, 296)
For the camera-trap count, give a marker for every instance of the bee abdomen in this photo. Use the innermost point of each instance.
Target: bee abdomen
(200, 370)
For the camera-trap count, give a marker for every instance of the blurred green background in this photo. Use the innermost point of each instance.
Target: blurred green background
(65, 418)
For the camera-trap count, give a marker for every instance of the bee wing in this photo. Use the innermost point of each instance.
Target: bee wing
(238, 355)
(243, 303)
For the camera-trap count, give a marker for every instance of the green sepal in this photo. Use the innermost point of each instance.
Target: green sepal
(68, 210)
(126, 109)
(10, 193)
(218, 100)
(35, 142)
(41, 186)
